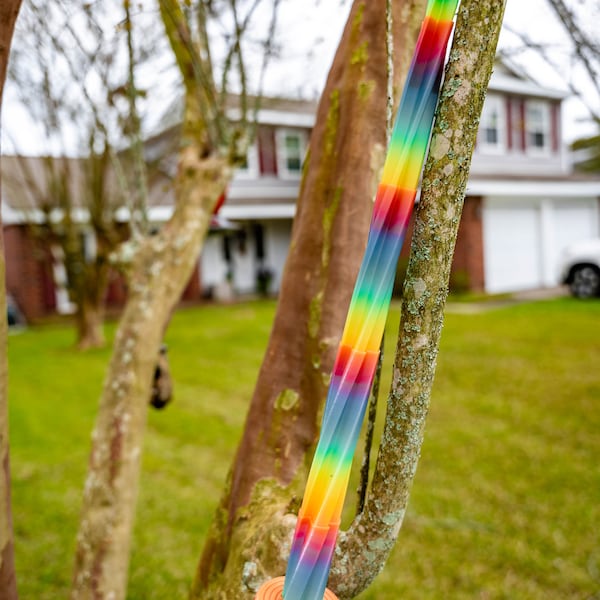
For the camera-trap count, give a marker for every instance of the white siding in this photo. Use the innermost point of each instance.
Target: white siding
(213, 266)
(244, 263)
(277, 235)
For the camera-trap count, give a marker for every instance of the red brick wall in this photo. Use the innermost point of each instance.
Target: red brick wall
(467, 266)
(28, 273)
(468, 254)
(116, 289)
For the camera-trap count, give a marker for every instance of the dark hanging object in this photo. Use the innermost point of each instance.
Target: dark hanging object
(162, 385)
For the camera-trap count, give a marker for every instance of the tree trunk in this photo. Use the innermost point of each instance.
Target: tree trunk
(90, 325)
(161, 268)
(90, 306)
(362, 551)
(9, 10)
(251, 532)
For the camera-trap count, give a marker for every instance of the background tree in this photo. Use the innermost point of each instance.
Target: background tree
(70, 71)
(590, 146)
(575, 61)
(347, 149)
(587, 53)
(8, 585)
(251, 533)
(160, 266)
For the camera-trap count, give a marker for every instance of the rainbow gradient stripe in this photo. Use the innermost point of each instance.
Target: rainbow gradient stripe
(354, 368)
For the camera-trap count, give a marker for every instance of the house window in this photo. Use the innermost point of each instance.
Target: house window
(492, 131)
(291, 147)
(249, 167)
(537, 123)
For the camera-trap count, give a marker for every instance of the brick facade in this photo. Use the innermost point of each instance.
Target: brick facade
(30, 280)
(467, 268)
(28, 273)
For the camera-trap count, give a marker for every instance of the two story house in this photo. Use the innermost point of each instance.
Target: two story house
(524, 204)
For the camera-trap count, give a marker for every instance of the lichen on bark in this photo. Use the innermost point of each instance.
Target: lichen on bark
(363, 549)
(329, 233)
(110, 491)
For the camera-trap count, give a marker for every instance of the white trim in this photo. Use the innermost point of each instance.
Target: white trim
(269, 188)
(546, 130)
(565, 189)
(277, 117)
(547, 240)
(280, 152)
(64, 306)
(503, 83)
(497, 103)
(161, 214)
(10, 216)
(258, 211)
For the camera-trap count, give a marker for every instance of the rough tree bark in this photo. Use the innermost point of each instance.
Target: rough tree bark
(161, 266)
(251, 532)
(9, 10)
(363, 549)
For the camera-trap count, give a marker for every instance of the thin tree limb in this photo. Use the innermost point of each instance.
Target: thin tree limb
(363, 550)
(137, 147)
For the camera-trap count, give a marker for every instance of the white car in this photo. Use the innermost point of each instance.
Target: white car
(580, 268)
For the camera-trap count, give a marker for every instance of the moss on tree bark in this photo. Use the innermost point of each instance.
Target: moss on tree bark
(251, 532)
(162, 265)
(363, 549)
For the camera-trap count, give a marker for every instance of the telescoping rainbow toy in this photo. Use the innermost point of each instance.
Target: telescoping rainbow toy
(354, 368)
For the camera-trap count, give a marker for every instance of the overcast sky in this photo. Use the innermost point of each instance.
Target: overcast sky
(532, 17)
(309, 31)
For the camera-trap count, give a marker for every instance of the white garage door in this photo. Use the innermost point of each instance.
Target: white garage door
(512, 245)
(524, 238)
(572, 221)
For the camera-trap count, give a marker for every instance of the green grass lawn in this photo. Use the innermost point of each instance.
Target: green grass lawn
(506, 503)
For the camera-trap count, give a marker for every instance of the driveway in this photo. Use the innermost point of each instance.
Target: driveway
(475, 307)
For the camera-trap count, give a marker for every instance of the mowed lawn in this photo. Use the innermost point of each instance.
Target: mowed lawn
(506, 502)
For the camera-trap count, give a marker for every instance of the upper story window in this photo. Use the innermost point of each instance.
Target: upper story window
(537, 127)
(291, 148)
(492, 129)
(249, 169)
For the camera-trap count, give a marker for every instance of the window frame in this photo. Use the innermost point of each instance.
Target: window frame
(546, 123)
(500, 147)
(281, 151)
